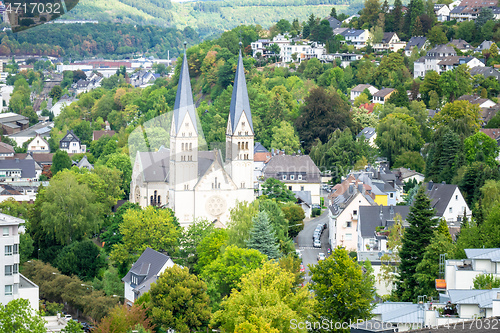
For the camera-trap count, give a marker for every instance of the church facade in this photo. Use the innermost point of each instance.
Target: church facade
(192, 182)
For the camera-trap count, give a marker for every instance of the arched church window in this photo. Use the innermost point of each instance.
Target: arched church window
(246, 145)
(190, 147)
(159, 200)
(152, 201)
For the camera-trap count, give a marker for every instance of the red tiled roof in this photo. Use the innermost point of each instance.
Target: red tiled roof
(368, 107)
(96, 135)
(262, 157)
(493, 133)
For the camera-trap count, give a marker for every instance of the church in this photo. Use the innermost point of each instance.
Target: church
(192, 182)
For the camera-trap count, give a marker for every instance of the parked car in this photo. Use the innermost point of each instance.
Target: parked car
(299, 253)
(316, 234)
(317, 243)
(68, 317)
(316, 206)
(321, 256)
(323, 225)
(302, 268)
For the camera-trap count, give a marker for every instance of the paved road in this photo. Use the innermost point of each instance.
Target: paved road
(305, 242)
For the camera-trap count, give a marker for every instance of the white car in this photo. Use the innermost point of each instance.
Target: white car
(321, 256)
(317, 243)
(68, 317)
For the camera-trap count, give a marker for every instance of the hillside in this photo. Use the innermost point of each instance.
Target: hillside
(207, 17)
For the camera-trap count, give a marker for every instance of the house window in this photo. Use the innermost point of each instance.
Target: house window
(8, 270)
(284, 177)
(8, 290)
(302, 188)
(456, 197)
(15, 269)
(451, 209)
(300, 177)
(290, 188)
(292, 177)
(16, 248)
(8, 250)
(6, 231)
(348, 224)
(391, 195)
(348, 237)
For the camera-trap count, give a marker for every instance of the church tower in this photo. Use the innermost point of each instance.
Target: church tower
(183, 149)
(240, 133)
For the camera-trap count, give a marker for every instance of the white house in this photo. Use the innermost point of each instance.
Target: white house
(484, 103)
(72, 144)
(42, 129)
(358, 90)
(381, 96)
(442, 12)
(431, 61)
(145, 271)
(13, 285)
(405, 175)
(418, 43)
(38, 145)
(343, 217)
(370, 135)
(390, 42)
(448, 202)
(450, 63)
(356, 37)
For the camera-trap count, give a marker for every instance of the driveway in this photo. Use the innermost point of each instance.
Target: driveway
(304, 242)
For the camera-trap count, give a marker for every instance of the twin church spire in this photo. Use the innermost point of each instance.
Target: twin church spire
(240, 103)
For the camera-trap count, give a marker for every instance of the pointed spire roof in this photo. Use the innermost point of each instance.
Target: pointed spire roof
(184, 98)
(239, 101)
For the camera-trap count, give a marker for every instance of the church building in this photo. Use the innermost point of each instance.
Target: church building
(192, 182)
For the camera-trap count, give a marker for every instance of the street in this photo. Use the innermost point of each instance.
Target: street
(305, 242)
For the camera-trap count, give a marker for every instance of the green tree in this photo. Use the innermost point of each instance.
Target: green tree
(73, 327)
(322, 113)
(122, 318)
(346, 293)
(241, 223)
(269, 299)
(83, 259)
(17, 316)
(314, 68)
(431, 83)
(224, 273)
(486, 281)
(262, 237)
(462, 115)
(60, 161)
(210, 247)
(411, 160)
(121, 162)
(456, 82)
(369, 13)
(427, 271)
(416, 239)
(151, 227)
(399, 98)
(485, 15)
(190, 240)
(480, 147)
(69, 210)
(396, 134)
(56, 92)
(295, 216)
(275, 189)
(390, 259)
(436, 36)
(284, 138)
(179, 301)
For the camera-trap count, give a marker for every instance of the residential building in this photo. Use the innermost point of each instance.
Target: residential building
(92, 82)
(260, 157)
(356, 37)
(304, 201)
(301, 51)
(390, 42)
(38, 145)
(405, 175)
(64, 101)
(485, 45)
(43, 129)
(84, 163)
(448, 202)
(96, 135)
(415, 42)
(72, 144)
(298, 173)
(143, 78)
(343, 217)
(485, 71)
(493, 133)
(13, 123)
(358, 90)
(6, 150)
(345, 58)
(460, 273)
(374, 223)
(477, 100)
(334, 23)
(472, 304)
(381, 96)
(145, 271)
(16, 170)
(450, 63)
(431, 60)
(13, 285)
(192, 182)
(370, 134)
(461, 44)
(442, 12)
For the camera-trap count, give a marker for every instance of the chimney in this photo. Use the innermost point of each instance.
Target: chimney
(430, 185)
